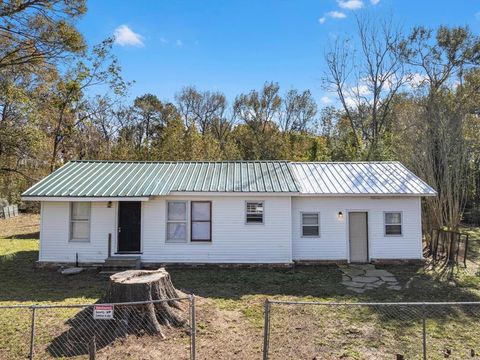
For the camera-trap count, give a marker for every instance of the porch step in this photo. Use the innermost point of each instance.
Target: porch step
(122, 263)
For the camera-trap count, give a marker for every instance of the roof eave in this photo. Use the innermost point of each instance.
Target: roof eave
(85, 198)
(367, 194)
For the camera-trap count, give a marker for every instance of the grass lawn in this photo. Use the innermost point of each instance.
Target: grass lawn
(230, 308)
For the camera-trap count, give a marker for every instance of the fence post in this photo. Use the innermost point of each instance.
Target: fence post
(424, 331)
(266, 330)
(193, 328)
(32, 332)
(92, 348)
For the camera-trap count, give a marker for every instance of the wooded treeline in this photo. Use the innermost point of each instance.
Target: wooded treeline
(407, 95)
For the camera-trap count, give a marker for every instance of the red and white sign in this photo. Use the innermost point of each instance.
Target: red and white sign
(103, 312)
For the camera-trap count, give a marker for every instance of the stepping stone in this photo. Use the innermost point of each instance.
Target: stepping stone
(363, 266)
(346, 278)
(388, 278)
(72, 271)
(353, 272)
(352, 284)
(378, 272)
(365, 279)
(378, 283)
(395, 287)
(357, 290)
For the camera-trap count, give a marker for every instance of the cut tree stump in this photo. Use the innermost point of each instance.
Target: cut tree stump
(147, 285)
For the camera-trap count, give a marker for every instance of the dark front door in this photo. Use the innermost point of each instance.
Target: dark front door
(129, 224)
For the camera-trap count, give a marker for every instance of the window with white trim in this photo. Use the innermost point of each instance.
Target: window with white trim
(80, 221)
(393, 223)
(176, 221)
(310, 224)
(254, 212)
(201, 223)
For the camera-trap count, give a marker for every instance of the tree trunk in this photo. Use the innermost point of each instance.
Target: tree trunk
(147, 285)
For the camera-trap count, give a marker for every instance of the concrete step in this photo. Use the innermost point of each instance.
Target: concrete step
(122, 262)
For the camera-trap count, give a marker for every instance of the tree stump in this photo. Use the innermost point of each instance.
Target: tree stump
(146, 285)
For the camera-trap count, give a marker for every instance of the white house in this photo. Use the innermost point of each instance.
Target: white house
(229, 212)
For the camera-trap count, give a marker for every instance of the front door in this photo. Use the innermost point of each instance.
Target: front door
(129, 225)
(358, 234)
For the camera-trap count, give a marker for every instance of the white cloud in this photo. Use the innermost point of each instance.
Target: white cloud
(350, 101)
(374, 2)
(416, 79)
(325, 100)
(124, 36)
(179, 43)
(362, 90)
(350, 4)
(336, 15)
(163, 40)
(333, 15)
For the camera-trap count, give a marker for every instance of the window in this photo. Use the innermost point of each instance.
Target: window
(176, 221)
(255, 211)
(201, 224)
(393, 223)
(310, 225)
(79, 221)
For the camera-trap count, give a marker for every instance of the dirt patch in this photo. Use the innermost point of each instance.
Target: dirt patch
(221, 334)
(24, 226)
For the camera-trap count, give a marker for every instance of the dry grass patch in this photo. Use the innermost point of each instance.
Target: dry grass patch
(230, 309)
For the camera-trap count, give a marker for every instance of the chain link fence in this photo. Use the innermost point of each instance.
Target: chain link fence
(292, 330)
(94, 331)
(320, 330)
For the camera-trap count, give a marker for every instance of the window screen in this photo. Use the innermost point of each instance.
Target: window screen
(80, 221)
(310, 224)
(176, 221)
(393, 223)
(201, 223)
(255, 212)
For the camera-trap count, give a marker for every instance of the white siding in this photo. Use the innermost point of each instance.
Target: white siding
(276, 241)
(54, 238)
(233, 241)
(333, 241)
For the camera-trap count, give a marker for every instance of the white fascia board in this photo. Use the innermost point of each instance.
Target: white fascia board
(391, 195)
(239, 193)
(81, 198)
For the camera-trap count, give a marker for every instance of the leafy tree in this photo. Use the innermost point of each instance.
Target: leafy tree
(38, 32)
(67, 102)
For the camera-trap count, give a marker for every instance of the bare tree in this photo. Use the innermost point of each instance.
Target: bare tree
(366, 80)
(299, 111)
(258, 109)
(442, 153)
(200, 108)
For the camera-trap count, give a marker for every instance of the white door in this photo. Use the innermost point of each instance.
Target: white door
(358, 235)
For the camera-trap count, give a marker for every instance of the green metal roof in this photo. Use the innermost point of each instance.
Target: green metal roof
(141, 179)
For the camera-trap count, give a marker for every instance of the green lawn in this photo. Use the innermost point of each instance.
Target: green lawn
(230, 307)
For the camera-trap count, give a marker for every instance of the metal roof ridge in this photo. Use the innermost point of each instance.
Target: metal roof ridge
(179, 161)
(347, 162)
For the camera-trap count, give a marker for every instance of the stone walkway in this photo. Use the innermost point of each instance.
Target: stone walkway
(362, 277)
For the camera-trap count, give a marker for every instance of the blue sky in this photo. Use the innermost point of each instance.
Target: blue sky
(235, 46)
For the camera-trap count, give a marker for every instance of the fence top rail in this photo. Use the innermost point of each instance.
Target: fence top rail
(94, 304)
(286, 302)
